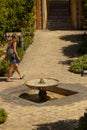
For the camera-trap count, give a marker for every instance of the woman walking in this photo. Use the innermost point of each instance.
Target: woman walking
(12, 55)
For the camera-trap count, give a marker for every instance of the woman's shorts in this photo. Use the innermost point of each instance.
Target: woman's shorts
(14, 60)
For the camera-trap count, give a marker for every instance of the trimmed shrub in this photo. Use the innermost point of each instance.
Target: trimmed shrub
(3, 115)
(77, 66)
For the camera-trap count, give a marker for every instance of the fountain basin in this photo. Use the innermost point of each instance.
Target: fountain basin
(42, 83)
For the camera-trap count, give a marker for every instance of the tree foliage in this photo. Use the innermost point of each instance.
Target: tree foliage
(84, 8)
(16, 15)
(3, 17)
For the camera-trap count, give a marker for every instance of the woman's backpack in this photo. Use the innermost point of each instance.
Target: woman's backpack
(10, 51)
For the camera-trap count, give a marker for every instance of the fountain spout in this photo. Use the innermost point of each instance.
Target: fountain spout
(41, 81)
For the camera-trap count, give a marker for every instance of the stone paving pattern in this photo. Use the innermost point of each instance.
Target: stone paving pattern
(48, 56)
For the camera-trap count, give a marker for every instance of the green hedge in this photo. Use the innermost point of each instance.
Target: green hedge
(17, 15)
(4, 66)
(77, 66)
(1, 53)
(20, 52)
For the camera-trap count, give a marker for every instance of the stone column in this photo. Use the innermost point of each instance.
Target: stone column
(76, 12)
(44, 14)
(79, 14)
(38, 19)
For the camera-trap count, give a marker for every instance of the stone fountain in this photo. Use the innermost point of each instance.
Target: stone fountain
(42, 85)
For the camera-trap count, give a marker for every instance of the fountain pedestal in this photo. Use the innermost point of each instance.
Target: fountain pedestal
(42, 95)
(42, 85)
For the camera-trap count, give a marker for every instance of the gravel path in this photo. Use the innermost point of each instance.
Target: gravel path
(48, 56)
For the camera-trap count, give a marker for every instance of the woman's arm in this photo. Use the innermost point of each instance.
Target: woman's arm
(15, 50)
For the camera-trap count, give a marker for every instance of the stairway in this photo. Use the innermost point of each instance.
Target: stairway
(59, 16)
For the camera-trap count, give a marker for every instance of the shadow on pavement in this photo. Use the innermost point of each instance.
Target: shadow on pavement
(4, 79)
(75, 38)
(66, 62)
(72, 51)
(60, 125)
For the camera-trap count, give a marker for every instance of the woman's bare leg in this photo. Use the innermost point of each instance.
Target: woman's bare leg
(10, 71)
(17, 70)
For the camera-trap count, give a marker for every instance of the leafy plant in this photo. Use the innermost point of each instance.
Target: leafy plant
(16, 16)
(77, 66)
(1, 53)
(4, 65)
(20, 52)
(3, 115)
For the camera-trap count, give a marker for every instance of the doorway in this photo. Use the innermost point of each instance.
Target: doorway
(59, 15)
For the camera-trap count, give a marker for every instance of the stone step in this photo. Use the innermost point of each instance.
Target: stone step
(59, 15)
(59, 7)
(59, 24)
(59, 4)
(60, 28)
(59, 10)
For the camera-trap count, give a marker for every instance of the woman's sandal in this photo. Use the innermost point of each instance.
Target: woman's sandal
(22, 77)
(8, 80)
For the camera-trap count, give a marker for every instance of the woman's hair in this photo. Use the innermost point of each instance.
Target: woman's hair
(14, 36)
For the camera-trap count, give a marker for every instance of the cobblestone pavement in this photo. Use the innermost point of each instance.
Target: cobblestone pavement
(48, 56)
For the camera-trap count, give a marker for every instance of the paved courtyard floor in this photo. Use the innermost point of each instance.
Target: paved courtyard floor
(49, 56)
